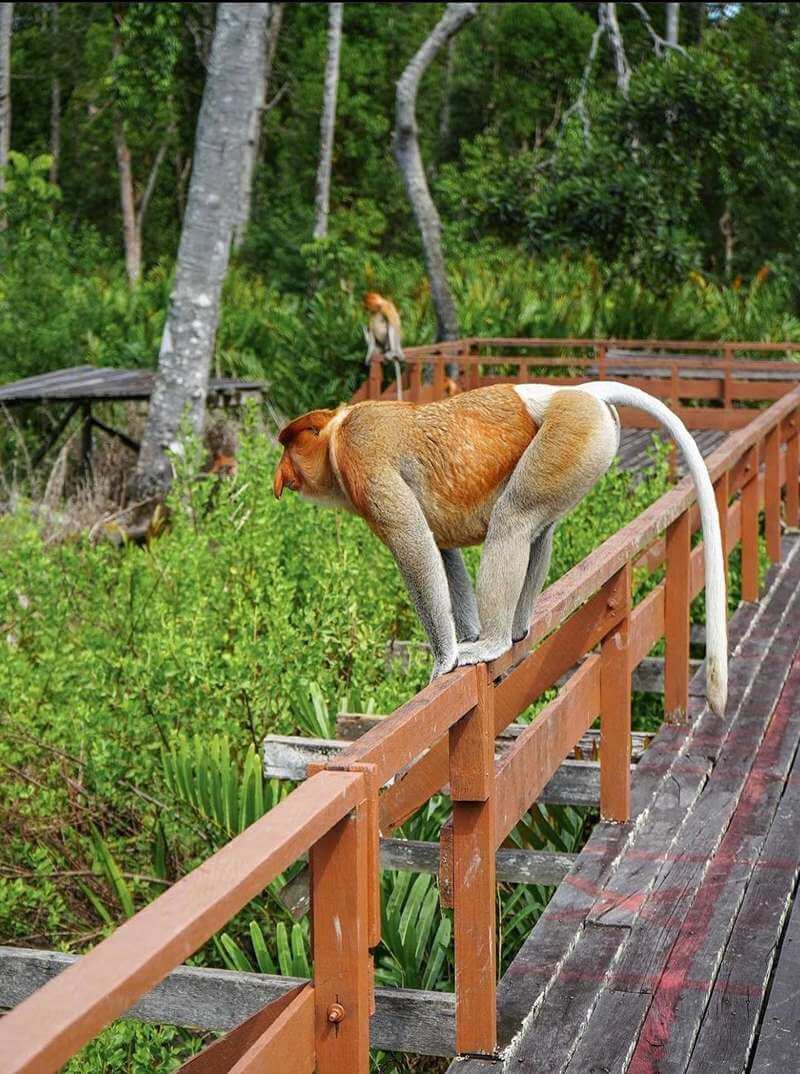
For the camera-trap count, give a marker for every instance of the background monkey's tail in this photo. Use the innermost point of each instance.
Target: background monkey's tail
(716, 599)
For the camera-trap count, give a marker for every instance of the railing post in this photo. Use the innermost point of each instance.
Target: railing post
(676, 619)
(601, 360)
(340, 907)
(474, 892)
(438, 378)
(772, 494)
(722, 496)
(793, 470)
(615, 708)
(727, 383)
(750, 506)
(375, 381)
(415, 381)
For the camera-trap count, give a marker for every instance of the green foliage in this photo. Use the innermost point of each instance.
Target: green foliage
(135, 1048)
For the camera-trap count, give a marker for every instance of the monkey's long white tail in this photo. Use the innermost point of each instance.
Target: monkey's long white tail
(716, 601)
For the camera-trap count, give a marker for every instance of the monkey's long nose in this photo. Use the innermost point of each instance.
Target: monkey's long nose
(277, 484)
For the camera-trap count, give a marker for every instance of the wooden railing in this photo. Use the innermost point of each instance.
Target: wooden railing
(721, 389)
(444, 734)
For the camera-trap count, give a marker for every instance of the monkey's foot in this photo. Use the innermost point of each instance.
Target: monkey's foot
(443, 667)
(520, 637)
(479, 652)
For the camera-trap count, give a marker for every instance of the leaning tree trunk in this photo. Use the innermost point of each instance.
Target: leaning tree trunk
(6, 18)
(188, 340)
(673, 14)
(409, 160)
(322, 201)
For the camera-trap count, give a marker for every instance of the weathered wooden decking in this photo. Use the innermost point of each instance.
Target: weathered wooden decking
(635, 443)
(673, 944)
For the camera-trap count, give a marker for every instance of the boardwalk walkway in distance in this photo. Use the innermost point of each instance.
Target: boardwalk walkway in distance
(663, 950)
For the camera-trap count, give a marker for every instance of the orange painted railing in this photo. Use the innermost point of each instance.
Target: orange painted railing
(721, 388)
(444, 734)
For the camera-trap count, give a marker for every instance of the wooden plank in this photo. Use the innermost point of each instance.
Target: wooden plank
(779, 1032)
(340, 938)
(77, 1004)
(730, 1019)
(218, 1000)
(564, 918)
(414, 726)
(284, 1029)
(533, 758)
(547, 1038)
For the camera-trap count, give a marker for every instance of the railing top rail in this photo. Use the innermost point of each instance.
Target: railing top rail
(685, 362)
(81, 1001)
(609, 341)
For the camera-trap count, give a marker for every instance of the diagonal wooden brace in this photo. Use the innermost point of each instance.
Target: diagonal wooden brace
(282, 1032)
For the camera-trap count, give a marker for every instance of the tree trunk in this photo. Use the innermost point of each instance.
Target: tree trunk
(608, 17)
(445, 114)
(55, 100)
(673, 15)
(328, 122)
(188, 341)
(130, 232)
(6, 19)
(409, 160)
(253, 147)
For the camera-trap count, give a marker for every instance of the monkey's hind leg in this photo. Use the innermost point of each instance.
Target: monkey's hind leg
(573, 448)
(538, 566)
(462, 596)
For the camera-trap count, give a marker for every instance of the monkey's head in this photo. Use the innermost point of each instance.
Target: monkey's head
(373, 301)
(305, 466)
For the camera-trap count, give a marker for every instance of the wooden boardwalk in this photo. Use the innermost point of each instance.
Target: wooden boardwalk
(635, 443)
(667, 947)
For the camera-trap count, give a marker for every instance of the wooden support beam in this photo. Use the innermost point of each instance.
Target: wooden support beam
(750, 509)
(282, 1032)
(793, 471)
(218, 1000)
(615, 718)
(677, 598)
(772, 494)
(472, 776)
(342, 963)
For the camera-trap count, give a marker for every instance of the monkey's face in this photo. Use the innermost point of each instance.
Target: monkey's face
(304, 466)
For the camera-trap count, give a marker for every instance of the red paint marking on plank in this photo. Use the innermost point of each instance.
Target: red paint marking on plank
(655, 1032)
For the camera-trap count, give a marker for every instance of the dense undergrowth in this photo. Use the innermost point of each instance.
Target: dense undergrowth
(132, 679)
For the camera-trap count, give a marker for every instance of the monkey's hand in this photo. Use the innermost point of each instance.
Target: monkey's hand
(480, 652)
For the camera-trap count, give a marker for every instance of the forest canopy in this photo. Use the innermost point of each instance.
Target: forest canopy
(537, 156)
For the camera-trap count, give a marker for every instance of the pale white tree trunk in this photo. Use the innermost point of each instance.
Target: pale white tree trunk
(673, 16)
(322, 201)
(131, 235)
(251, 147)
(6, 19)
(608, 18)
(55, 100)
(409, 160)
(188, 341)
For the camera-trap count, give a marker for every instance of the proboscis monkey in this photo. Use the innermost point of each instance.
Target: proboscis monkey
(499, 465)
(382, 333)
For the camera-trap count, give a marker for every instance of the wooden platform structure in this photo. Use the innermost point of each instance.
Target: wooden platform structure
(81, 387)
(657, 951)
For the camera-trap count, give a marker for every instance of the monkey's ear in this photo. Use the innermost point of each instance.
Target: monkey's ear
(315, 421)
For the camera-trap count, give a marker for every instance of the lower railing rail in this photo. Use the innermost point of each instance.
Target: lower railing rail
(445, 734)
